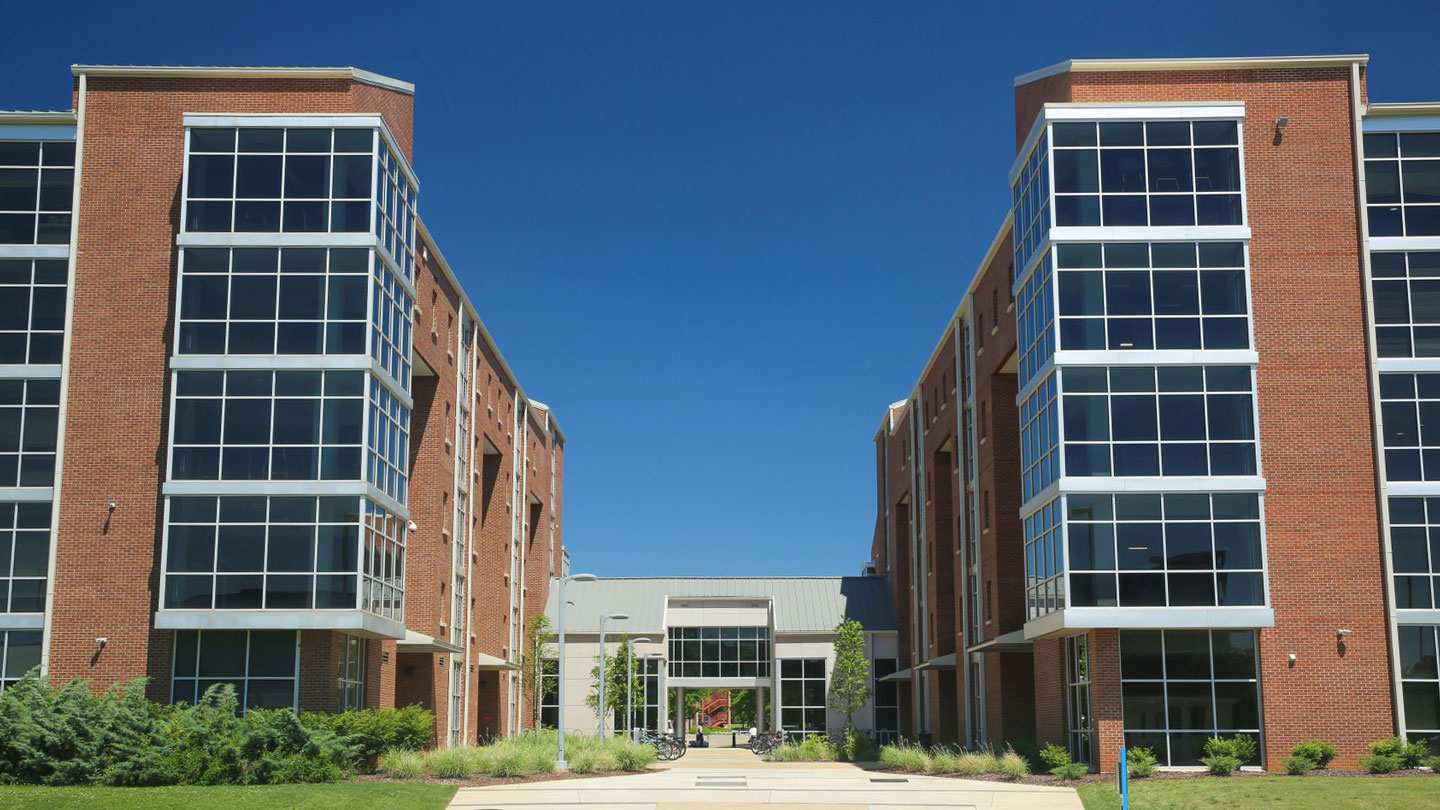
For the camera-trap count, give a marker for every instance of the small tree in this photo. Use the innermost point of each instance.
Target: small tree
(616, 672)
(850, 677)
(533, 665)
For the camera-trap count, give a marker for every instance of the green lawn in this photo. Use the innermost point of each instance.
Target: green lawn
(347, 796)
(1276, 793)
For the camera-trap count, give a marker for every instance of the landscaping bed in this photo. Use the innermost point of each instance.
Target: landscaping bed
(1273, 792)
(488, 781)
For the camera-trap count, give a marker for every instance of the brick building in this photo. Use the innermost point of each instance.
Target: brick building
(1167, 473)
(252, 429)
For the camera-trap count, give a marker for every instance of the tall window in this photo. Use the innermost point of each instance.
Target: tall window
(457, 701)
(1161, 295)
(19, 653)
(802, 696)
(260, 664)
(1406, 290)
(273, 300)
(267, 425)
(1402, 183)
(1147, 173)
(1180, 687)
(388, 443)
(647, 704)
(1031, 198)
(1420, 680)
(352, 672)
(1180, 549)
(1080, 724)
(256, 552)
(1039, 439)
(1410, 412)
(303, 180)
(887, 702)
(24, 556)
(29, 420)
(1044, 569)
(32, 322)
(719, 652)
(1170, 421)
(549, 693)
(1415, 551)
(36, 192)
(383, 563)
(1035, 321)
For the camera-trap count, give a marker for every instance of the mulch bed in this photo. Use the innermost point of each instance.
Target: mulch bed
(1109, 778)
(488, 781)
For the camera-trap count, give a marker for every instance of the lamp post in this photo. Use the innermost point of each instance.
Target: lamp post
(630, 681)
(600, 704)
(560, 685)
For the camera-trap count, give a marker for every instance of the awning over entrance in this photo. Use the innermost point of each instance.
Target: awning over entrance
(898, 675)
(943, 662)
(1014, 641)
(420, 643)
(490, 662)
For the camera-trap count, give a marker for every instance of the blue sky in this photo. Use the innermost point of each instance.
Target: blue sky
(718, 237)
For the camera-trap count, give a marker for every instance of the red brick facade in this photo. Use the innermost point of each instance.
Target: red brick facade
(1316, 430)
(108, 561)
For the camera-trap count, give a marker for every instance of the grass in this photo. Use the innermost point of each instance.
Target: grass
(343, 796)
(522, 755)
(1275, 793)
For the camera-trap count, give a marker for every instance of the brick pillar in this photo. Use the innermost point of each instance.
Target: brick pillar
(1049, 665)
(1105, 704)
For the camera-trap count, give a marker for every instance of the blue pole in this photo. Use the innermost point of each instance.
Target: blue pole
(1122, 781)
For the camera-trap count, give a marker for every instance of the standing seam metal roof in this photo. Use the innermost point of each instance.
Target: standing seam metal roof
(801, 604)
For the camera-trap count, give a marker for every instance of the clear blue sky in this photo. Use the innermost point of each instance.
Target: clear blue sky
(718, 237)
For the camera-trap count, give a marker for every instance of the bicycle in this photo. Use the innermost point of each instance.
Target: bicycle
(767, 741)
(667, 749)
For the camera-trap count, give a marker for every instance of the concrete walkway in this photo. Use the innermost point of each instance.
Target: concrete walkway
(721, 779)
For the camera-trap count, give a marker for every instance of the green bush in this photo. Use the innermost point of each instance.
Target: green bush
(1070, 771)
(628, 754)
(401, 763)
(1319, 751)
(1012, 766)
(815, 748)
(1380, 763)
(1433, 763)
(1242, 747)
(1140, 763)
(856, 747)
(1299, 764)
(906, 757)
(1409, 754)
(1222, 764)
(1053, 756)
(372, 732)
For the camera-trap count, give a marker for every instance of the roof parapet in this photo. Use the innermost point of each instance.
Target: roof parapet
(201, 71)
(1200, 63)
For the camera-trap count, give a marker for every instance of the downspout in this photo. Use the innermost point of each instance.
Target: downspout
(53, 563)
(1392, 627)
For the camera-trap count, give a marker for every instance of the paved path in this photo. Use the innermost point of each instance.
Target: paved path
(721, 779)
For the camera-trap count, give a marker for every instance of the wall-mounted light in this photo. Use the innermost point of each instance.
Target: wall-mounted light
(102, 641)
(1292, 658)
(110, 506)
(1343, 632)
(1280, 124)
(413, 527)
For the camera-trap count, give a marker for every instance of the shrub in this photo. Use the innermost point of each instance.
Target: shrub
(1070, 771)
(1242, 747)
(1318, 751)
(1053, 756)
(856, 747)
(977, 763)
(450, 763)
(1140, 763)
(628, 754)
(401, 763)
(1380, 763)
(372, 732)
(1012, 766)
(584, 761)
(905, 756)
(811, 749)
(1222, 764)
(1433, 763)
(941, 761)
(1299, 765)
(1409, 754)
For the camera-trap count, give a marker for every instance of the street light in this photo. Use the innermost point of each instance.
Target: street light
(630, 681)
(600, 705)
(560, 685)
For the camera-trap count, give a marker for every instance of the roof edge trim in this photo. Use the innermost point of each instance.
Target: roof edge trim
(193, 71)
(1187, 63)
(37, 117)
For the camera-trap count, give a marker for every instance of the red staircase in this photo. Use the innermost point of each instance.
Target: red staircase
(715, 711)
